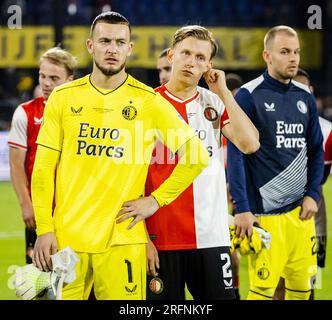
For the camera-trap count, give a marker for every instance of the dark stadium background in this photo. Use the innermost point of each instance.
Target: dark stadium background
(17, 83)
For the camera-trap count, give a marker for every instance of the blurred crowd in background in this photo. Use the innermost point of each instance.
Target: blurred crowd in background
(19, 84)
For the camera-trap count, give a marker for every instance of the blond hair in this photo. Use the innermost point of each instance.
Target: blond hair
(197, 32)
(271, 34)
(60, 57)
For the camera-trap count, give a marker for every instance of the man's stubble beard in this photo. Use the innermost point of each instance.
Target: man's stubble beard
(109, 72)
(287, 76)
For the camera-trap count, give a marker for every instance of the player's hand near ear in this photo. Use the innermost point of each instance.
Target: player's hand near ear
(216, 80)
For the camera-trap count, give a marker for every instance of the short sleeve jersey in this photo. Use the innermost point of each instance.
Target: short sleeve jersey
(198, 218)
(326, 127)
(24, 130)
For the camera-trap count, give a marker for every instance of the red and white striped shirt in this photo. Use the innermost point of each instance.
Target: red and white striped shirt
(326, 127)
(24, 130)
(198, 218)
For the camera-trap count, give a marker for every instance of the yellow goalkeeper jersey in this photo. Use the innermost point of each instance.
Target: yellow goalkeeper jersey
(106, 138)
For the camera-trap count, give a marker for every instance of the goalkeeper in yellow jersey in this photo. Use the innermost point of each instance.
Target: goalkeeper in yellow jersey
(94, 149)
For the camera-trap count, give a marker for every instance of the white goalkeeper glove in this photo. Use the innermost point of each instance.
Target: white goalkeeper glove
(64, 262)
(30, 281)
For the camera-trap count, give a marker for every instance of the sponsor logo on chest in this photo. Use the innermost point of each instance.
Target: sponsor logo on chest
(288, 134)
(285, 133)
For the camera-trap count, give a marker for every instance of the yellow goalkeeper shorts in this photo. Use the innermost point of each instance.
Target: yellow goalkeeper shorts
(292, 254)
(117, 274)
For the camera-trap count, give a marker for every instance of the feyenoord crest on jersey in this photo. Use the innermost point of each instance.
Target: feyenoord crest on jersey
(156, 285)
(129, 112)
(263, 273)
(210, 114)
(206, 197)
(302, 107)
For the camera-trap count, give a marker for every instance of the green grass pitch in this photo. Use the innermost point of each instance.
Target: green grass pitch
(12, 246)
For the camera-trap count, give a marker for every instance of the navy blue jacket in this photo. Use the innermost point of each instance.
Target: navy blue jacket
(289, 163)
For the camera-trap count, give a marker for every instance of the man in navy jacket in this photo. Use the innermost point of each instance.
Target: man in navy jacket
(278, 186)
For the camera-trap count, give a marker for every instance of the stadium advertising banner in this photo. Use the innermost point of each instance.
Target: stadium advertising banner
(239, 48)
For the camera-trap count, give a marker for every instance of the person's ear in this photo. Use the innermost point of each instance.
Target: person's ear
(89, 45)
(170, 55)
(131, 46)
(209, 66)
(266, 56)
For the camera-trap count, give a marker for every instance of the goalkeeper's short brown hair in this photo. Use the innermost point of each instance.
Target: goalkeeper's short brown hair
(197, 32)
(61, 57)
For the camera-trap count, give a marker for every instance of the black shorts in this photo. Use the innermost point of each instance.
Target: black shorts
(30, 240)
(206, 272)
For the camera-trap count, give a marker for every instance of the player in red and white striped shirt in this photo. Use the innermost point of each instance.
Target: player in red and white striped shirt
(191, 234)
(56, 67)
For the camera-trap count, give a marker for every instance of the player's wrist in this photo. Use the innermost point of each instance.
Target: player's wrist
(41, 232)
(316, 196)
(224, 93)
(241, 207)
(155, 199)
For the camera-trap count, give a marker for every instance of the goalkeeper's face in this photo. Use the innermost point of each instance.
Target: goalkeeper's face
(110, 46)
(190, 59)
